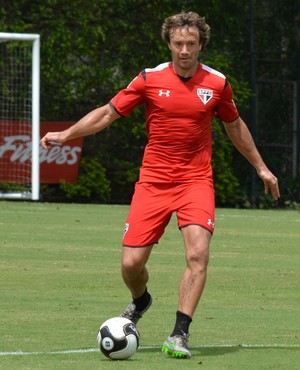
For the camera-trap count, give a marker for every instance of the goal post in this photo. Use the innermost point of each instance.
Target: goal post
(20, 100)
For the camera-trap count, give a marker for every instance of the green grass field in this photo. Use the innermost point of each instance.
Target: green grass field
(60, 279)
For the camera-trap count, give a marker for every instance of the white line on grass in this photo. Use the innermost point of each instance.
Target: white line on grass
(89, 350)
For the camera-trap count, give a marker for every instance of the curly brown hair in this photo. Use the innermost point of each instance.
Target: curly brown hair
(186, 19)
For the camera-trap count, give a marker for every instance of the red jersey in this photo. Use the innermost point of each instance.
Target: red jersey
(178, 120)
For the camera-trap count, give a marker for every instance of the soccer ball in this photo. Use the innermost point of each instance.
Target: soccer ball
(118, 338)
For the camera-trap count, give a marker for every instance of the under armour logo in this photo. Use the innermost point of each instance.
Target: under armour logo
(210, 223)
(167, 93)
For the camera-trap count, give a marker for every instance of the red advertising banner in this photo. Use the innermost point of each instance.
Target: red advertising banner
(58, 163)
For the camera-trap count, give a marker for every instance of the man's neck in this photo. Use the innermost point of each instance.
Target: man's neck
(188, 74)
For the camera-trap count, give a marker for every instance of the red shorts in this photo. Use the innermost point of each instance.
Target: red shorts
(153, 204)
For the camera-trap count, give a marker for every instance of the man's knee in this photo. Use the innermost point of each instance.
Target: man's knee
(197, 254)
(197, 258)
(130, 266)
(134, 259)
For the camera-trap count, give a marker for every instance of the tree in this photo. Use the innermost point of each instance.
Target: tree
(90, 50)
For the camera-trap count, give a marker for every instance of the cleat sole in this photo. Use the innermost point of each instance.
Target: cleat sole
(174, 354)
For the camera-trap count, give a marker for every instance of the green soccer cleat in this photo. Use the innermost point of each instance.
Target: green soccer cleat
(177, 346)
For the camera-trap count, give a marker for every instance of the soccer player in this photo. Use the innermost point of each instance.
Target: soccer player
(181, 99)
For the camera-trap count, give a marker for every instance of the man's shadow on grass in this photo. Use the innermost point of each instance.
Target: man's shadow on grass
(215, 351)
(200, 351)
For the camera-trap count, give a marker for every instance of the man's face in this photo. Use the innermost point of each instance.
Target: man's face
(185, 47)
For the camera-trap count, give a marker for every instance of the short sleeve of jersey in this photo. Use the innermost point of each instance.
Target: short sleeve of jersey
(131, 97)
(226, 109)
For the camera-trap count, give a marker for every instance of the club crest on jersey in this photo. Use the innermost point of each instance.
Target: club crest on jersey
(204, 95)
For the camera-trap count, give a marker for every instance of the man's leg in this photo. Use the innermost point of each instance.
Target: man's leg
(134, 271)
(135, 276)
(197, 240)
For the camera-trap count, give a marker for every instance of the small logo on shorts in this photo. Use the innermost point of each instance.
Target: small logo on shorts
(211, 223)
(125, 230)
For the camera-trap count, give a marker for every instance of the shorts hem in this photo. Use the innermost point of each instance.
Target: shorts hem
(192, 223)
(139, 246)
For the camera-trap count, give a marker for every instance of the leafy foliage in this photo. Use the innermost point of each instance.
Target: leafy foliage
(226, 183)
(91, 184)
(90, 50)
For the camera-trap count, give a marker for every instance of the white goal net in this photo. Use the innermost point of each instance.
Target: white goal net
(19, 115)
